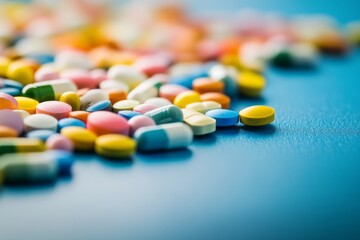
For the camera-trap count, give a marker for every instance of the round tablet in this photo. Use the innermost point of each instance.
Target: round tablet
(27, 104)
(186, 98)
(42, 134)
(70, 122)
(59, 142)
(56, 109)
(217, 97)
(40, 121)
(82, 139)
(106, 123)
(115, 146)
(72, 99)
(6, 132)
(11, 119)
(224, 117)
(257, 115)
(139, 122)
(125, 105)
(7, 101)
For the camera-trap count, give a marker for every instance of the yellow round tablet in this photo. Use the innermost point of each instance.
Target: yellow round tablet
(125, 105)
(27, 104)
(257, 115)
(83, 139)
(115, 146)
(186, 98)
(72, 99)
(251, 84)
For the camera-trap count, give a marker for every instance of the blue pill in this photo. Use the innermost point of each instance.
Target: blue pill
(128, 114)
(224, 117)
(100, 106)
(186, 81)
(41, 58)
(65, 160)
(42, 135)
(70, 122)
(11, 91)
(8, 83)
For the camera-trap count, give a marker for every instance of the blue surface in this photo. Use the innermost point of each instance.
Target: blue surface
(296, 179)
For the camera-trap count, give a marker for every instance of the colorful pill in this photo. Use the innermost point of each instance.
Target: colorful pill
(8, 83)
(56, 109)
(125, 105)
(114, 85)
(80, 77)
(11, 91)
(186, 98)
(91, 97)
(47, 72)
(144, 108)
(103, 123)
(82, 139)
(7, 132)
(199, 123)
(13, 145)
(12, 120)
(100, 106)
(227, 75)
(7, 101)
(203, 107)
(42, 135)
(217, 97)
(81, 115)
(257, 115)
(163, 137)
(126, 74)
(40, 121)
(72, 99)
(127, 114)
(116, 95)
(224, 117)
(115, 146)
(170, 91)
(70, 122)
(138, 122)
(146, 90)
(27, 104)
(204, 85)
(59, 142)
(4, 65)
(20, 72)
(22, 113)
(167, 114)
(251, 84)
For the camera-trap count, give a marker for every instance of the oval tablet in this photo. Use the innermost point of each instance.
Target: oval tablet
(138, 122)
(170, 91)
(144, 108)
(251, 84)
(58, 110)
(42, 135)
(27, 104)
(257, 115)
(217, 97)
(115, 146)
(83, 139)
(40, 121)
(70, 122)
(203, 107)
(204, 85)
(100, 106)
(103, 123)
(186, 98)
(224, 117)
(7, 101)
(199, 123)
(12, 120)
(125, 105)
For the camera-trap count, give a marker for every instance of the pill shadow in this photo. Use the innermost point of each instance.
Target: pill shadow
(177, 155)
(266, 130)
(232, 130)
(116, 162)
(205, 140)
(245, 100)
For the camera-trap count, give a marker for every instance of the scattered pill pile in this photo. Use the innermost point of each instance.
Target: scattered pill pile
(122, 84)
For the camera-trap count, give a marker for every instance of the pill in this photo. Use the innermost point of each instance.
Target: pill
(12, 120)
(46, 73)
(127, 114)
(42, 135)
(152, 65)
(187, 80)
(126, 74)
(93, 96)
(8, 83)
(199, 123)
(146, 90)
(48, 90)
(138, 122)
(7, 101)
(81, 115)
(59, 142)
(13, 145)
(7, 132)
(58, 110)
(82, 138)
(224, 117)
(41, 58)
(204, 85)
(116, 95)
(103, 123)
(80, 77)
(41, 167)
(158, 102)
(144, 108)
(72, 99)
(125, 105)
(100, 106)
(27, 104)
(163, 137)
(227, 75)
(166, 114)
(170, 91)
(114, 85)
(20, 72)
(257, 115)
(115, 146)
(186, 98)
(70, 122)
(203, 107)
(4, 65)
(40, 121)
(251, 84)
(98, 75)
(217, 97)
(22, 113)
(11, 91)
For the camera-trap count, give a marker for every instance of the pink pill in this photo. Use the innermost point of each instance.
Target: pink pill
(12, 120)
(98, 75)
(7, 101)
(144, 108)
(59, 142)
(103, 122)
(139, 122)
(46, 74)
(80, 77)
(170, 91)
(56, 109)
(151, 65)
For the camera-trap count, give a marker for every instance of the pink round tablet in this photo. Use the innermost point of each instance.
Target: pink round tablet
(151, 65)
(12, 120)
(144, 108)
(103, 122)
(80, 77)
(56, 109)
(139, 122)
(59, 142)
(7, 101)
(46, 74)
(170, 91)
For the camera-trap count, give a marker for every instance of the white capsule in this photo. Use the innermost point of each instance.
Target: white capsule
(146, 90)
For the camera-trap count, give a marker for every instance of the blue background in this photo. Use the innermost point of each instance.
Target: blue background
(296, 179)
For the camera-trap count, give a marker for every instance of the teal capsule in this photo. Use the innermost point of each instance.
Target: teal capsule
(166, 114)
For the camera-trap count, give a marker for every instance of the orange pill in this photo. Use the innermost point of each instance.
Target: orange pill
(217, 97)
(80, 115)
(116, 95)
(7, 132)
(204, 85)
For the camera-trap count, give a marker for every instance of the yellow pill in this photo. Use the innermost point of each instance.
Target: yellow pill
(12, 145)
(251, 84)
(115, 146)
(125, 105)
(27, 104)
(20, 72)
(72, 99)
(257, 115)
(203, 107)
(83, 139)
(200, 124)
(4, 65)
(186, 98)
